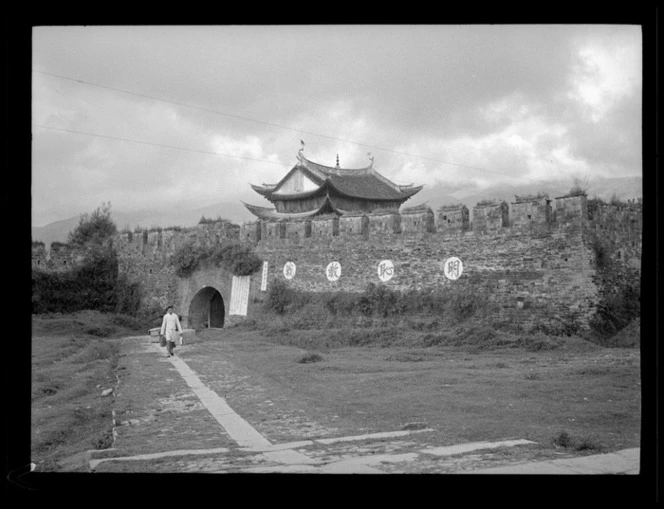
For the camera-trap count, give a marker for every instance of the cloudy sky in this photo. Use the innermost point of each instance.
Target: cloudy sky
(152, 117)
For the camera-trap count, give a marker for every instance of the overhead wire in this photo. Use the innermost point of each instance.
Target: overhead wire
(240, 117)
(157, 144)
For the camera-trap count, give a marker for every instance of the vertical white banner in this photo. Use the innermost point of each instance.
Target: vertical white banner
(240, 295)
(264, 279)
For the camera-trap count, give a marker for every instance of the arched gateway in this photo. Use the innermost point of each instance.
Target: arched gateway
(206, 309)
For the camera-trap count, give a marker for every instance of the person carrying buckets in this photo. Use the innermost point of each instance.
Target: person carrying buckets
(170, 328)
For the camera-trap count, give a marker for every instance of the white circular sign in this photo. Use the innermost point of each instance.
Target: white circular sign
(333, 271)
(453, 268)
(385, 270)
(289, 270)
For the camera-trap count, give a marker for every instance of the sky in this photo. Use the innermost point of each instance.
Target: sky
(188, 116)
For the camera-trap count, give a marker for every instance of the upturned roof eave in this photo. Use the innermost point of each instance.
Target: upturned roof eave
(272, 214)
(262, 190)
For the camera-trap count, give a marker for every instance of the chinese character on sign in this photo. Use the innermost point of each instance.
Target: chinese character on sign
(385, 270)
(289, 270)
(333, 271)
(453, 268)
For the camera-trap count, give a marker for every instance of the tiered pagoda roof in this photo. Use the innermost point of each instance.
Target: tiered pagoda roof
(325, 189)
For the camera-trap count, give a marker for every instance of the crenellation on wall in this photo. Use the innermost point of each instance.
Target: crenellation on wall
(570, 209)
(452, 218)
(386, 223)
(490, 216)
(324, 226)
(61, 257)
(272, 230)
(298, 229)
(251, 231)
(531, 211)
(354, 225)
(417, 220)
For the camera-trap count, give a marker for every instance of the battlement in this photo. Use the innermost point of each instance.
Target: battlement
(452, 218)
(163, 241)
(61, 257)
(526, 214)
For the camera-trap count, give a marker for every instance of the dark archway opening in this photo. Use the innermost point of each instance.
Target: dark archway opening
(206, 309)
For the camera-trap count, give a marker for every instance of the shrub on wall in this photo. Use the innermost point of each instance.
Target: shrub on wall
(457, 303)
(340, 303)
(619, 290)
(187, 258)
(279, 297)
(380, 301)
(238, 259)
(219, 219)
(466, 301)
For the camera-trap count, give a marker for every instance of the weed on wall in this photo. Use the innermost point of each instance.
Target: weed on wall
(620, 291)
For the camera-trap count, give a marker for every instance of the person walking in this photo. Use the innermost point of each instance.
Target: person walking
(170, 326)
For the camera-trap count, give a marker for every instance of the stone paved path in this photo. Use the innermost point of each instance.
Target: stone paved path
(169, 418)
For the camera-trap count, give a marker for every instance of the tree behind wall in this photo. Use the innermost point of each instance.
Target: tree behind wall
(94, 283)
(93, 229)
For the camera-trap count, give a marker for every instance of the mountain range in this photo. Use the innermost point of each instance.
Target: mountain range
(434, 196)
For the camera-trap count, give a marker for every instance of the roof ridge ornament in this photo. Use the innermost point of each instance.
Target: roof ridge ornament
(300, 156)
(371, 158)
(337, 167)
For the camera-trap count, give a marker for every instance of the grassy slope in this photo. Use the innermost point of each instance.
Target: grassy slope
(73, 361)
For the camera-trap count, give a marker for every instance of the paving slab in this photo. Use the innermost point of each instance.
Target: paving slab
(475, 446)
(620, 462)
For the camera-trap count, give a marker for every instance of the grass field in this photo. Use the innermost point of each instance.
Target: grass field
(566, 393)
(577, 396)
(73, 361)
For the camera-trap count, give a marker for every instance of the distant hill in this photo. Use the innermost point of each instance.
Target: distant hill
(434, 196)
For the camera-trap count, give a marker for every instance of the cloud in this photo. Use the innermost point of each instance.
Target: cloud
(429, 102)
(606, 72)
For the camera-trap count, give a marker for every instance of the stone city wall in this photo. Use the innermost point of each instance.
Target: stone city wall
(535, 268)
(543, 277)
